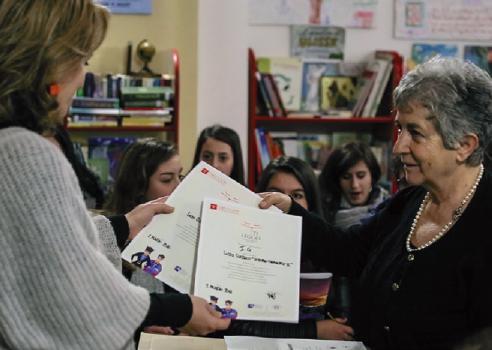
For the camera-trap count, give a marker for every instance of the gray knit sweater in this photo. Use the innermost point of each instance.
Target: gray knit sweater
(58, 289)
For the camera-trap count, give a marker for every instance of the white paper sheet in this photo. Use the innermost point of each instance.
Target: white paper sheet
(257, 343)
(251, 257)
(175, 235)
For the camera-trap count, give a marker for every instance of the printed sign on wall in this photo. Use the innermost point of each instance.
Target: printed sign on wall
(443, 19)
(137, 7)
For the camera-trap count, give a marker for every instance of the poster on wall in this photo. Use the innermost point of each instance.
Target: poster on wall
(129, 7)
(480, 55)
(317, 41)
(443, 19)
(341, 13)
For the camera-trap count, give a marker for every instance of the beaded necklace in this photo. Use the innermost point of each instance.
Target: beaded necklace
(456, 215)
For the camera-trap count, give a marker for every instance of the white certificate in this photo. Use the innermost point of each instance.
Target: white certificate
(166, 247)
(248, 261)
(257, 343)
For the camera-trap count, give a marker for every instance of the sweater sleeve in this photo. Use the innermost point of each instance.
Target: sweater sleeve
(59, 290)
(304, 329)
(340, 251)
(109, 240)
(171, 309)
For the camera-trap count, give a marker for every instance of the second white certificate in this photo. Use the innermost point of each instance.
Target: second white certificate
(248, 262)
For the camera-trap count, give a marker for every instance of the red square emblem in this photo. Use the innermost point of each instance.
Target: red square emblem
(213, 206)
(205, 170)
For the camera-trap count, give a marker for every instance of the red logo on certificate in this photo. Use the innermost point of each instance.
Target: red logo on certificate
(205, 170)
(213, 206)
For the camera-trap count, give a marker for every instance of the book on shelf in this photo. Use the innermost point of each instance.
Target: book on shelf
(95, 111)
(314, 149)
(95, 102)
(109, 85)
(313, 294)
(312, 71)
(337, 94)
(381, 68)
(145, 93)
(262, 147)
(142, 104)
(287, 74)
(264, 103)
(274, 95)
(143, 120)
(77, 121)
(287, 142)
(364, 86)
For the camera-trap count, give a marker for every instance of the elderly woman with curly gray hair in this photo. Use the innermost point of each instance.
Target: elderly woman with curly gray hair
(423, 262)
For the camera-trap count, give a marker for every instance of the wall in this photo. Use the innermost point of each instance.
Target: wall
(223, 65)
(359, 43)
(224, 35)
(173, 24)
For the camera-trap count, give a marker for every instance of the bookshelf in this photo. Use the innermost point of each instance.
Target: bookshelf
(129, 124)
(168, 130)
(380, 127)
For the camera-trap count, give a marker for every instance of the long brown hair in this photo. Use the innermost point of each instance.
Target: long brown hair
(43, 41)
(140, 160)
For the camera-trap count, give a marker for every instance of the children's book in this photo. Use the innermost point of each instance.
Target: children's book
(286, 72)
(337, 93)
(312, 72)
(313, 295)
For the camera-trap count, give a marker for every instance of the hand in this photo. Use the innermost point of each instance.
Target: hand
(159, 330)
(334, 329)
(141, 215)
(280, 200)
(204, 319)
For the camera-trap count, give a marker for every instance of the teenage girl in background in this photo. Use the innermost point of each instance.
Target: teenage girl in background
(149, 169)
(220, 147)
(349, 185)
(350, 193)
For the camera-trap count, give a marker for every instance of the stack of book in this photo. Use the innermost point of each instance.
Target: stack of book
(321, 87)
(146, 106)
(94, 111)
(122, 100)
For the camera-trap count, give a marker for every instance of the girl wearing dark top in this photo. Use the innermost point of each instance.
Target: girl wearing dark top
(423, 261)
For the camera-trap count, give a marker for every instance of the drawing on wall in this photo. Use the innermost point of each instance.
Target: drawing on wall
(424, 52)
(414, 14)
(481, 56)
(341, 13)
(443, 19)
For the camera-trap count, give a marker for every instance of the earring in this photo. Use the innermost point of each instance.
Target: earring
(54, 89)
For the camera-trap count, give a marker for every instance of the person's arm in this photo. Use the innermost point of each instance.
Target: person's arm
(339, 251)
(127, 226)
(66, 293)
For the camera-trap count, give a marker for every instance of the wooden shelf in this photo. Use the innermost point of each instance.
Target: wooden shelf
(381, 127)
(116, 129)
(382, 120)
